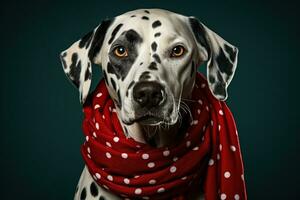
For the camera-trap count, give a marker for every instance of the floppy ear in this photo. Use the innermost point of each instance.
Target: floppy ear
(221, 58)
(78, 58)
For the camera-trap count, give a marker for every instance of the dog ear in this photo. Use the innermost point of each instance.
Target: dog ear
(78, 58)
(221, 58)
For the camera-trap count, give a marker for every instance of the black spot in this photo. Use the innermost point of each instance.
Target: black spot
(85, 40)
(112, 70)
(154, 46)
(224, 64)
(157, 34)
(145, 75)
(132, 36)
(83, 194)
(114, 33)
(94, 189)
(199, 33)
(219, 89)
(145, 18)
(231, 52)
(105, 76)
(156, 24)
(193, 69)
(141, 63)
(156, 57)
(101, 198)
(126, 131)
(211, 79)
(98, 38)
(147, 11)
(75, 70)
(87, 74)
(131, 84)
(62, 58)
(133, 16)
(119, 104)
(153, 66)
(113, 83)
(120, 67)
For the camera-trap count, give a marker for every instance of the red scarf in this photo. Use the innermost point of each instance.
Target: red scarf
(208, 158)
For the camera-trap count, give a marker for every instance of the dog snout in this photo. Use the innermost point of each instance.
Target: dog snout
(148, 94)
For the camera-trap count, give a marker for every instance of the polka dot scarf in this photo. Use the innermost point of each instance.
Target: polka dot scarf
(208, 159)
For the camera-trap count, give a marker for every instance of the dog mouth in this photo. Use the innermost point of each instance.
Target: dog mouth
(147, 119)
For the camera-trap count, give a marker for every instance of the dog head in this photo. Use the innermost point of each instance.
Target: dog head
(149, 60)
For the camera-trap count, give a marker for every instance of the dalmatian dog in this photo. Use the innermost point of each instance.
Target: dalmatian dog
(149, 60)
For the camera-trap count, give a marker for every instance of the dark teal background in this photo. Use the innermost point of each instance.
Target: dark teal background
(41, 115)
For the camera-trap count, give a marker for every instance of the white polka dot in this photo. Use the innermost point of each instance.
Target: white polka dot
(200, 101)
(108, 155)
(88, 150)
(198, 111)
(195, 148)
(160, 190)
(242, 177)
(203, 85)
(211, 122)
(138, 191)
(96, 106)
(110, 178)
(227, 174)
(151, 164)
(194, 122)
(98, 175)
(152, 181)
(173, 169)
(103, 117)
(203, 129)
(223, 196)
(116, 139)
(218, 156)
(232, 147)
(99, 94)
(136, 176)
(88, 155)
(236, 197)
(94, 134)
(138, 146)
(108, 144)
(87, 138)
(166, 153)
(145, 156)
(221, 112)
(211, 162)
(184, 178)
(126, 181)
(202, 138)
(175, 159)
(146, 198)
(219, 127)
(206, 107)
(124, 155)
(220, 147)
(97, 126)
(188, 143)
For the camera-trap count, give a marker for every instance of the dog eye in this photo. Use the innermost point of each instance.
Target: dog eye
(177, 51)
(120, 52)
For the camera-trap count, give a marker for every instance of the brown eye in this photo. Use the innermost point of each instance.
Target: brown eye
(121, 52)
(177, 51)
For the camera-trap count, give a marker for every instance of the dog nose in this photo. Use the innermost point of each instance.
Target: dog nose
(148, 94)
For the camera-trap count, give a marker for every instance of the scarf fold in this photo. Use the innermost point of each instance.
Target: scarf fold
(208, 158)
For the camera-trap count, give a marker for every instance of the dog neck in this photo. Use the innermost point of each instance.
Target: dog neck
(154, 135)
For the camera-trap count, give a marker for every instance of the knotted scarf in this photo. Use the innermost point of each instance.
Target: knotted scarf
(207, 159)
